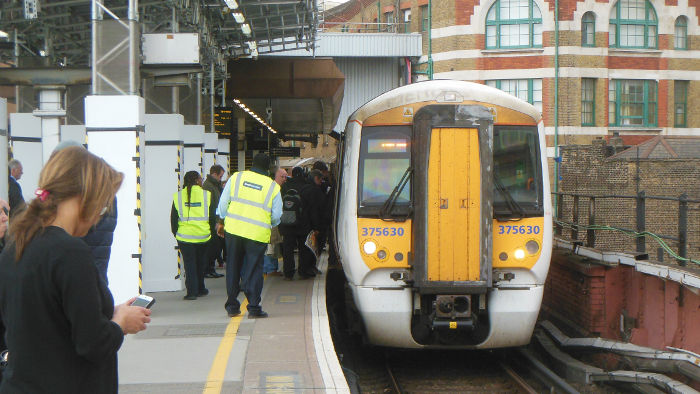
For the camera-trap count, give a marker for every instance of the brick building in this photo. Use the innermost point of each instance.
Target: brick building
(627, 68)
(661, 166)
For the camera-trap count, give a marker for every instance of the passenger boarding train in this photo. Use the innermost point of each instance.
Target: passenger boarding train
(443, 216)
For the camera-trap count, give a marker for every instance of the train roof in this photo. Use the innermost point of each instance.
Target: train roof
(435, 89)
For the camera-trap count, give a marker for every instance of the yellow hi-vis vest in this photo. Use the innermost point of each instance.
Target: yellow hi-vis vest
(193, 215)
(250, 210)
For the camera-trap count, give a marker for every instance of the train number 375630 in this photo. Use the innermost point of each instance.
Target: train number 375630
(384, 231)
(518, 229)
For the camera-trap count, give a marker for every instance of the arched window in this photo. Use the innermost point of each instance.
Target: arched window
(513, 24)
(588, 29)
(633, 24)
(681, 36)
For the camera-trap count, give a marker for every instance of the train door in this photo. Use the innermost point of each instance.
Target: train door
(453, 199)
(454, 205)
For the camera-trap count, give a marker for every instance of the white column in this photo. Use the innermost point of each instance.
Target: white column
(50, 111)
(114, 127)
(162, 270)
(211, 141)
(223, 155)
(193, 135)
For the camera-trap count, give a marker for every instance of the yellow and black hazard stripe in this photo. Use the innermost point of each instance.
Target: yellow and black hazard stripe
(178, 171)
(137, 212)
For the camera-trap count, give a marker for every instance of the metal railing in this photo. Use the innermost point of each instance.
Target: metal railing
(572, 202)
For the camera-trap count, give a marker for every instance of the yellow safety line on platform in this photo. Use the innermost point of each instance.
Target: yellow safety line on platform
(215, 379)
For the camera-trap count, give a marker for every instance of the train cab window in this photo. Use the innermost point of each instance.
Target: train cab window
(385, 156)
(517, 172)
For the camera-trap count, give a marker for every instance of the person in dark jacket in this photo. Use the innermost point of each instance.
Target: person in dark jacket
(99, 238)
(216, 245)
(314, 199)
(58, 317)
(14, 189)
(293, 237)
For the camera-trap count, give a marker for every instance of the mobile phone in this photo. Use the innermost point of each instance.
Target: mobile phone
(144, 301)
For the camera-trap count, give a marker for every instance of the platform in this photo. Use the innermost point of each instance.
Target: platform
(194, 347)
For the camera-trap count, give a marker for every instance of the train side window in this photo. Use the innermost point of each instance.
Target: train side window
(517, 171)
(385, 154)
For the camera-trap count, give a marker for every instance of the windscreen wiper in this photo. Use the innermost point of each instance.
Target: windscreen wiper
(388, 206)
(510, 201)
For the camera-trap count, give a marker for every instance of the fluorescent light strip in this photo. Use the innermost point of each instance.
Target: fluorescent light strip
(238, 16)
(231, 4)
(254, 115)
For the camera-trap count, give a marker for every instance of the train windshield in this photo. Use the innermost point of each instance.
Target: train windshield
(517, 172)
(385, 156)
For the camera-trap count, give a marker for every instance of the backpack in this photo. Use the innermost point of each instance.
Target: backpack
(291, 208)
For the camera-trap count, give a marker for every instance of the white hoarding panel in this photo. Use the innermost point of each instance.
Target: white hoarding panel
(73, 133)
(170, 48)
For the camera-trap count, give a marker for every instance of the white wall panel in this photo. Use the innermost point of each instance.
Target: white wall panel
(365, 79)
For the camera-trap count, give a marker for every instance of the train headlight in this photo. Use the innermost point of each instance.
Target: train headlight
(369, 247)
(532, 247)
(519, 254)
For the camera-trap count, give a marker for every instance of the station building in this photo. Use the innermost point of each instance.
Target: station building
(626, 68)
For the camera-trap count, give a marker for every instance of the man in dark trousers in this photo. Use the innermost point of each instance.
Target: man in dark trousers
(294, 235)
(314, 199)
(213, 185)
(14, 189)
(250, 205)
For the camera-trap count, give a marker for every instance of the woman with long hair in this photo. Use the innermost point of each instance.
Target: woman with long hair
(58, 317)
(192, 221)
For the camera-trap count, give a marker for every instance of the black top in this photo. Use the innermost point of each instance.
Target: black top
(15, 196)
(56, 313)
(99, 239)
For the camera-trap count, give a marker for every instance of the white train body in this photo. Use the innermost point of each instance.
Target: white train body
(446, 260)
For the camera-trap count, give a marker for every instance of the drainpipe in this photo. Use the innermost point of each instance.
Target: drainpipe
(557, 160)
(379, 16)
(430, 39)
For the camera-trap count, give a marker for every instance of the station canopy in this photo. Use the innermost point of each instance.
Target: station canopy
(50, 42)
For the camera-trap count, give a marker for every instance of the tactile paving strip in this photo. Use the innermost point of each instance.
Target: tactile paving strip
(183, 331)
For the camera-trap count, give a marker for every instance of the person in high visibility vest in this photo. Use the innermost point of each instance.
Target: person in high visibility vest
(250, 205)
(192, 220)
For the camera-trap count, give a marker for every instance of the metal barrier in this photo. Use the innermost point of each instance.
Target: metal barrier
(640, 209)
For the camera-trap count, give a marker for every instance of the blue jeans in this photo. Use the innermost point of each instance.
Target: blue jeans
(270, 264)
(244, 269)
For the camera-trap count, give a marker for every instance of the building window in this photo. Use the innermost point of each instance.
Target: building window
(588, 29)
(513, 24)
(633, 24)
(407, 20)
(587, 102)
(680, 104)
(424, 18)
(632, 103)
(529, 90)
(681, 33)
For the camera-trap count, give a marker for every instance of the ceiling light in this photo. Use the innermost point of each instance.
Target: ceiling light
(4, 34)
(238, 16)
(231, 4)
(254, 52)
(245, 28)
(252, 44)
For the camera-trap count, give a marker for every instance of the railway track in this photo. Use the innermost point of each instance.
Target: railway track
(452, 372)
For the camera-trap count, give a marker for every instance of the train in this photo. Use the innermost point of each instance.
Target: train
(443, 216)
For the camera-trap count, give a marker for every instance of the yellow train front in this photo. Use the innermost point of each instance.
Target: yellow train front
(443, 216)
